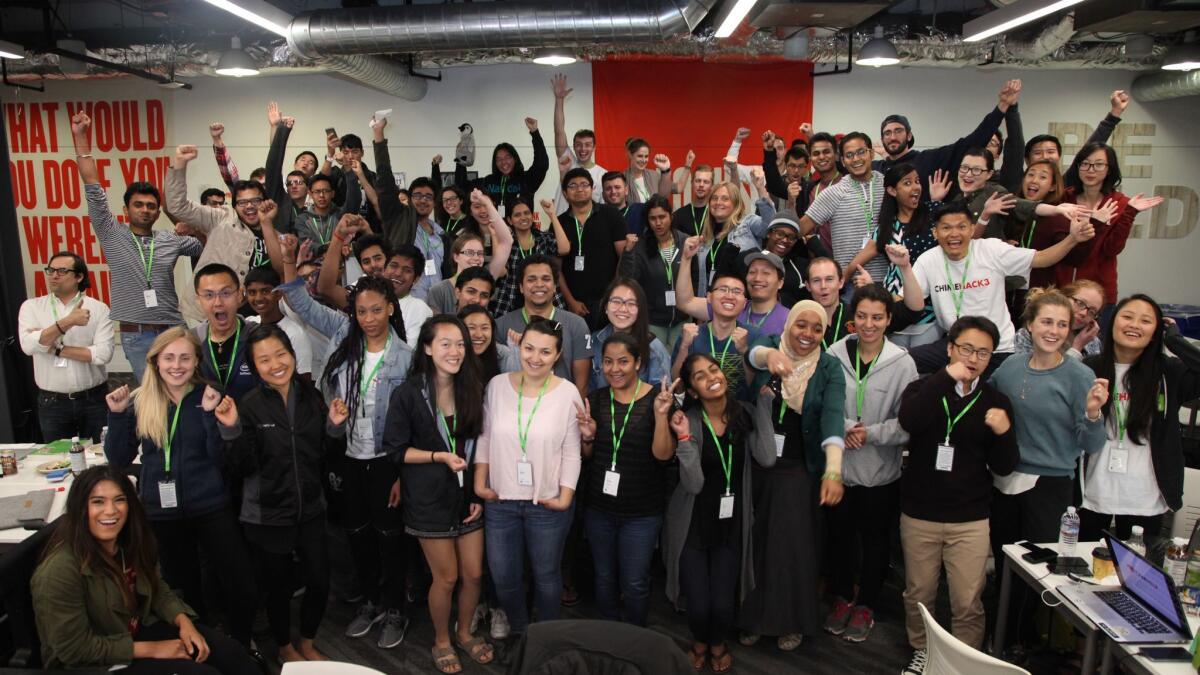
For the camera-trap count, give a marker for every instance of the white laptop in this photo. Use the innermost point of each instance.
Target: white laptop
(1145, 608)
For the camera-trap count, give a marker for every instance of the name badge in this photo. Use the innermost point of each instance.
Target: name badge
(1118, 459)
(430, 268)
(945, 457)
(524, 474)
(780, 439)
(578, 263)
(60, 362)
(865, 241)
(166, 494)
(670, 298)
(726, 510)
(612, 480)
(150, 298)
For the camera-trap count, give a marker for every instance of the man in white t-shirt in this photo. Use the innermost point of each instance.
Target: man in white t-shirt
(965, 277)
(264, 300)
(582, 150)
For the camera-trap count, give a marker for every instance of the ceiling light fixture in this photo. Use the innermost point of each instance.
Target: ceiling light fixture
(1182, 57)
(11, 50)
(236, 62)
(879, 51)
(734, 18)
(260, 13)
(553, 57)
(1006, 18)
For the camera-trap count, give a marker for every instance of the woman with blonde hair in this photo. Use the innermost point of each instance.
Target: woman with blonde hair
(181, 482)
(1087, 298)
(732, 226)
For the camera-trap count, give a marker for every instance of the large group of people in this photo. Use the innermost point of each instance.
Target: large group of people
(756, 388)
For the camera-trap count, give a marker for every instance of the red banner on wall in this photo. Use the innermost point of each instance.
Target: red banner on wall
(692, 105)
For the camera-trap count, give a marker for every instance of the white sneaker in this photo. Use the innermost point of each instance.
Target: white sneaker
(916, 665)
(500, 627)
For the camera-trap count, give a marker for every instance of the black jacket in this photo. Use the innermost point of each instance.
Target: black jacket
(279, 453)
(945, 157)
(644, 264)
(1182, 378)
(430, 495)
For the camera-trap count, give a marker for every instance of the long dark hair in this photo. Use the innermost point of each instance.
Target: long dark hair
(489, 360)
(1112, 179)
(736, 419)
(518, 171)
(468, 382)
(889, 211)
(640, 330)
(350, 352)
(135, 540)
(1143, 378)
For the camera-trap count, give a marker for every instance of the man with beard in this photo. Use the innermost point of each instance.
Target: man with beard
(689, 219)
(616, 195)
(141, 261)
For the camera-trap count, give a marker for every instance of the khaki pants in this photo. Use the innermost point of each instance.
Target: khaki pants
(963, 549)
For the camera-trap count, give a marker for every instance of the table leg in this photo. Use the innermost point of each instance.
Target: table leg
(1106, 660)
(1002, 609)
(1089, 654)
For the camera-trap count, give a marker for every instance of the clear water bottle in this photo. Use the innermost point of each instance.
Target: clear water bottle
(1136, 541)
(77, 456)
(1068, 532)
(1177, 560)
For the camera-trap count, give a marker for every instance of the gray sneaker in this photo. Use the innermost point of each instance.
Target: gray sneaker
(916, 665)
(395, 625)
(500, 628)
(481, 612)
(368, 615)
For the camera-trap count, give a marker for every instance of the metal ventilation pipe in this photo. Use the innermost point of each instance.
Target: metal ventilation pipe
(1165, 85)
(378, 73)
(491, 25)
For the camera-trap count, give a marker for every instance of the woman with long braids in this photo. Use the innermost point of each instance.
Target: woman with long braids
(100, 601)
(369, 358)
(432, 424)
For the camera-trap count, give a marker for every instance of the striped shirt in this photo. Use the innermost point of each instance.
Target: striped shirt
(121, 251)
(844, 206)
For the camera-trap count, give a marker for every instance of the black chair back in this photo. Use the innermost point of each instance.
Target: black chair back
(16, 570)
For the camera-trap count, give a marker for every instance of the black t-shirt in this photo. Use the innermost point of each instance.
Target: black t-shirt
(601, 229)
(688, 219)
(641, 488)
(707, 529)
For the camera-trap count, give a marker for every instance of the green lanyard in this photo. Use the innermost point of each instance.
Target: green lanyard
(365, 383)
(322, 227)
(860, 392)
(1122, 417)
(523, 428)
(522, 253)
(699, 223)
(503, 189)
(424, 239)
(232, 357)
(449, 432)
(782, 409)
(761, 321)
(579, 231)
(712, 252)
(1028, 238)
(147, 263)
(962, 286)
(712, 346)
(625, 212)
(452, 224)
(837, 328)
(868, 202)
(171, 433)
(726, 458)
(68, 305)
(667, 265)
(951, 423)
(525, 315)
(612, 414)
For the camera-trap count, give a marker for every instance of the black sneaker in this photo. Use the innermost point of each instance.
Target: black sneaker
(916, 665)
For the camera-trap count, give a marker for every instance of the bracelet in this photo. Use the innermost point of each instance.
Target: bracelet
(587, 440)
(1097, 418)
(685, 437)
(60, 328)
(433, 456)
(87, 156)
(832, 475)
(289, 262)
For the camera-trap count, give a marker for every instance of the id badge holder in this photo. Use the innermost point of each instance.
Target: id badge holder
(945, 457)
(780, 440)
(726, 510)
(1118, 460)
(612, 481)
(460, 477)
(150, 298)
(865, 241)
(670, 300)
(430, 268)
(60, 362)
(578, 263)
(524, 474)
(167, 498)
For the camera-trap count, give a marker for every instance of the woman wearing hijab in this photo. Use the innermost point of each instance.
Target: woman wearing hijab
(802, 392)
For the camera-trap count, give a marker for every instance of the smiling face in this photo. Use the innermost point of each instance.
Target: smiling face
(639, 158)
(520, 217)
(1050, 328)
(615, 191)
(447, 349)
(622, 308)
(471, 255)
(972, 173)
(907, 191)
(1047, 150)
(474, 292)
(537, 285)
(401, 270)
(246, 202)
(979, 344)
(539, 352)
(107, 511)
(479, 326)
(619, 366)
(219, 297)
(721, 204)
(727, 297)
(1134, 325)
(871, 319)
(763, 281)
(451, 203)
(895, 138)
(1087, 303)
(702, 185)
(262, 298)
(823, 156)
(422, 200)
(505, 162)
(804, 335)
(176, 363)
(707, 381)
(856, 157)
(372, 311)
(824, 283)
(781, 240)
(1038, 181)
(373, 261)
(953, 234)
(274, 363)
(584, 147)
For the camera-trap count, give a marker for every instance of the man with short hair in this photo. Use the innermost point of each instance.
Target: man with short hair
(296, 185)
(539, 275)
(430, 237)
(783, 239)
(214, 197)
(263, 298)
(597, 236)
(824, 284)
(141, 261)
(689, 218)
(764, 278)
(616, 194)
(793, 188)
(724, 337)
(70, 337)
(222, 335)
(343, 174)
(583, 144)
(473, 286)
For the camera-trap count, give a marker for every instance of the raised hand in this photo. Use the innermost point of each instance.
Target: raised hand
(477, 196)
(939, 185)
(679, 424)
(356, 167)
(559, 84)
(741, 339)
(759, 177)
(1097, 396)
(587, 424)
(514, 338)
(290, 243)
(779, 364)
(118, 399)
(898, 255)
(793, 190)
(436, 161)
(1140, 202)
(1082, 229)
(959, 372)
(78, 316)
(565, 162)
(688, 334)
(289, 121)
(211, 399)
(662, 162)
(227, 412)
(1071, 211)
(1106, 211)
(997, 420)
(216, 130)
(267, 210)
(863, 278)
(531, 124)
(347, 227)
(691, 157)
(80, 123)
(1119, 100)
(338, 412)
(547, 206)
(274, 117)
(306, 252)
(665, 399)
(691, 246)
(185, 154)
(332, 143)
(806, 128)
(742, 134)
(1011, 93)
(998, 203)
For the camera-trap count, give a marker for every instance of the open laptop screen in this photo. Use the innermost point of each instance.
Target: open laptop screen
(1147, 582)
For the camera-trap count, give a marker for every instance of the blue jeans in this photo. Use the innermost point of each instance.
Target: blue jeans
(136, 346)
(511, 528)
(622, 548)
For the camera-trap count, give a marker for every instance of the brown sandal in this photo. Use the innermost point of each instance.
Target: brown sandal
(478, 649)
(722, 662)
(446, 660)
(698, 658)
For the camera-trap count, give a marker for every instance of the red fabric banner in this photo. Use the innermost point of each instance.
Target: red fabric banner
(682, 105)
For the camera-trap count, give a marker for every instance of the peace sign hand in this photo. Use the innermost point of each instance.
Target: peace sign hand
(665, 399)
(587, 425)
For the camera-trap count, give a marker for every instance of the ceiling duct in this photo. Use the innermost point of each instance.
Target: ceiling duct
(1162, 86)
(520, 24)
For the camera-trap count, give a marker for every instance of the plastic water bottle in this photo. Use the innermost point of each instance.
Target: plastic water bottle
(1068, 532)
(1136, 541)
(1177, 560)
(77, 456)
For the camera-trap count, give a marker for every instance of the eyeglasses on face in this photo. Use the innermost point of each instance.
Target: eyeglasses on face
(972, 170)
(1093, 166)
(622, 303)
(967, 351)
(727, 290)
(209, 296)
(1092, 312)
(249, 202)
(59, 271)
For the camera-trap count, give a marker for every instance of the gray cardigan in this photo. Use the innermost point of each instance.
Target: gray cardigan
(760, 447)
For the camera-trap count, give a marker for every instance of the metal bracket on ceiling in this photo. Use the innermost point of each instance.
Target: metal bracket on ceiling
(837, 68)
(8, 83)
(412, 70)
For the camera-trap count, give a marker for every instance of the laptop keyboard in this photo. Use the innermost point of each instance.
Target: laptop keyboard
(1132, 612)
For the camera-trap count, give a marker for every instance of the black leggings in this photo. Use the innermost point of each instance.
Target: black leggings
(862, 522)
(709, 578)
(1092, 526)
(378, 544)
(225, 657)
(214, 539)
(276, 570)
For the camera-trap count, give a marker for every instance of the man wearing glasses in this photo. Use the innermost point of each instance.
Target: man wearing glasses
(222, 334)
(429, 236)
(724, 338)
(317, 223)
(70, 337)
(142, 261)
(597, 236)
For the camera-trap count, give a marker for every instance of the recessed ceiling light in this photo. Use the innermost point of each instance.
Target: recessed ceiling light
(554, 57)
